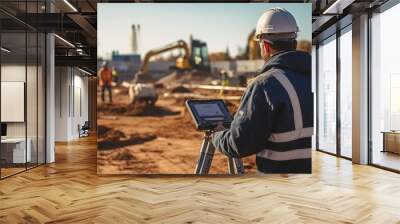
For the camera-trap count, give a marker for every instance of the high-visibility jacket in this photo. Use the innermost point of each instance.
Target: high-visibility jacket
(105, 76)
(275, 117)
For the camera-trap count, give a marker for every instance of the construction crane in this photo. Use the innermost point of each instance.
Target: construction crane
(195, 58)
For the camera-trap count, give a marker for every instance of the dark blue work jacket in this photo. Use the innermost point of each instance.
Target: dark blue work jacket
(275, 117)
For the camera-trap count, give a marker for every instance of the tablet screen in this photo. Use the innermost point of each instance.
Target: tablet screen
(209, 113)
(209, 110)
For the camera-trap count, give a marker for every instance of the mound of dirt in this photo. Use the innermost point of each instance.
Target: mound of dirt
(180, 89)
(102, 130)
(134, 110)
(124, 161)
(147, 110)
(109, 133)
(124, 154)
(113, 109)
(117, 139)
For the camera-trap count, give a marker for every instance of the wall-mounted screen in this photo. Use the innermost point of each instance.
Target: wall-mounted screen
(150, 130)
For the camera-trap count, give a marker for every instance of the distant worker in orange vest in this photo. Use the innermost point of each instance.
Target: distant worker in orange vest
(105, 74)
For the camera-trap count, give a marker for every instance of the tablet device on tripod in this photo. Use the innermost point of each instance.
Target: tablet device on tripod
(207, 114)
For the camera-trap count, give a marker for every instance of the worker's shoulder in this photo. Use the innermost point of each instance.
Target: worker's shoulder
(266, 77)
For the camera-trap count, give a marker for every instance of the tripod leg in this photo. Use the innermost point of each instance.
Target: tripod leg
(206, 156)
(231, 166)
(235, 166)
(200, 161)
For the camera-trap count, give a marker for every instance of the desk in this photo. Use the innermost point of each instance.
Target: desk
(391, 141)
(13, 150)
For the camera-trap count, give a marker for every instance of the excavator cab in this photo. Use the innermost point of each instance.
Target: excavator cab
(182, 63)
(199, 57)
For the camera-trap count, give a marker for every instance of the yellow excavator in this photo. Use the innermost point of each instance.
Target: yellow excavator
(195, 58)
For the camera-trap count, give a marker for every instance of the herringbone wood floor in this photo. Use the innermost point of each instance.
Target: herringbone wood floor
(70, 191)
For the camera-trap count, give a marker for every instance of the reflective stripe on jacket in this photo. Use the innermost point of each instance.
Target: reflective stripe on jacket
(275, 117)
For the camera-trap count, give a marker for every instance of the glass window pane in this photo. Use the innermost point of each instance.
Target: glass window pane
(31, 97)
(32, 88)
(314, 80)
(41, 98)
(327, 95)
(13, 85)
(346, 93)
(23, 87)
(385, 87)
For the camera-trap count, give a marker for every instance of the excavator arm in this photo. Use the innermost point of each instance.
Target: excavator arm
(175, 45)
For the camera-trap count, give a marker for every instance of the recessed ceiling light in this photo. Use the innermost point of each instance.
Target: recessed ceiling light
(84, 71)
(5, 50)
(64, 40)
(337, 7)
(70, 5)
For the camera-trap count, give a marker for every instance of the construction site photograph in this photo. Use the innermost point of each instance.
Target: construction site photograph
(158, 64)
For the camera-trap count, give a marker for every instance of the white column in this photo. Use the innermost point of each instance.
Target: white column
(50, 92)
(50, 99)
(360, 90)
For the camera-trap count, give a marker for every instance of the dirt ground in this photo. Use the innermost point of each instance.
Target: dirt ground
(159, 140)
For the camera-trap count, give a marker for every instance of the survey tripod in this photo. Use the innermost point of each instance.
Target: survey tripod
(207, 150)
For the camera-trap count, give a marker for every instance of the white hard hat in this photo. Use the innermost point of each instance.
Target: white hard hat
(277, 22)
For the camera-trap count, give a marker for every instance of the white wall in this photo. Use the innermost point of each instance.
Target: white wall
(71, 102)
(61, 103)
(80, 112)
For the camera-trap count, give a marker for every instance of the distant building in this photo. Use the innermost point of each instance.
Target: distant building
(133, 59)
(245, 66)
(125, 64)
(237, 66)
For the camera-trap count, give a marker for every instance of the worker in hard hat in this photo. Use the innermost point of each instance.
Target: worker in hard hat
(105, 76)
(275, 117)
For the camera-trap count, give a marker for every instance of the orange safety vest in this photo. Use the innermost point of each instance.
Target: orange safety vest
(105, 76)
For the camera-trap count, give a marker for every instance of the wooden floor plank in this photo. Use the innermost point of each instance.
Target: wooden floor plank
(70, 191)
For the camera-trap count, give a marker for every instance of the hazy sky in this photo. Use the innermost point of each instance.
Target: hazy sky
(218, 24)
